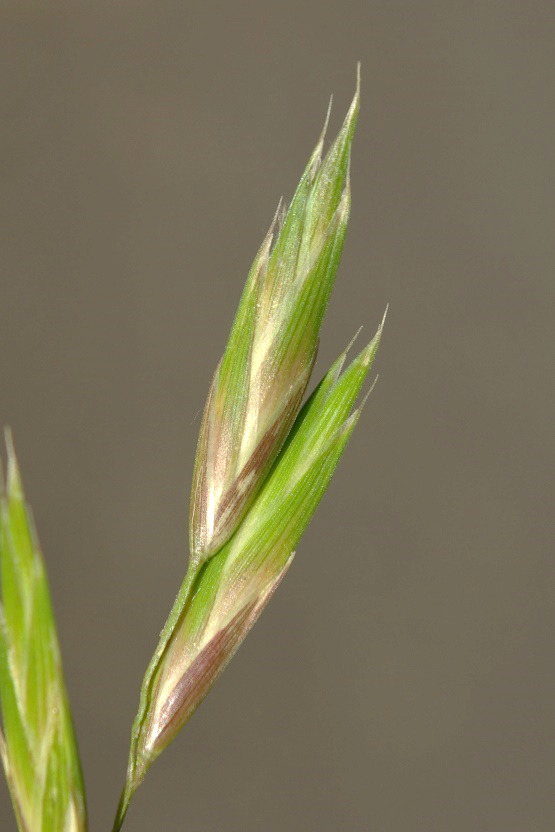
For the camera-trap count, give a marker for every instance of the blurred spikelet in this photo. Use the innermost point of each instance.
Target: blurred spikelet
(38, 748)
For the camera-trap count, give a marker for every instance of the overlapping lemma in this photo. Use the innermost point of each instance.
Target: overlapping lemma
(259, 384)
(235, 585)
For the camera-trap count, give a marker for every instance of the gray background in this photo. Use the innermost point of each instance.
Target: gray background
(403, 676)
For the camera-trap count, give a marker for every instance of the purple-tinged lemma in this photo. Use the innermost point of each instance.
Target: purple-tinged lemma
(239, 580)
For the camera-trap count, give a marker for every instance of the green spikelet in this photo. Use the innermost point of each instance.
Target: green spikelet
(38, 747)
(260, 382)
(219, 603)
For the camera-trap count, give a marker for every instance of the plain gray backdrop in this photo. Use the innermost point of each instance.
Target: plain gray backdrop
(403, 677)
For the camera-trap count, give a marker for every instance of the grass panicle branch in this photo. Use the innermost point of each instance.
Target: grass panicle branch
(263, 462)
